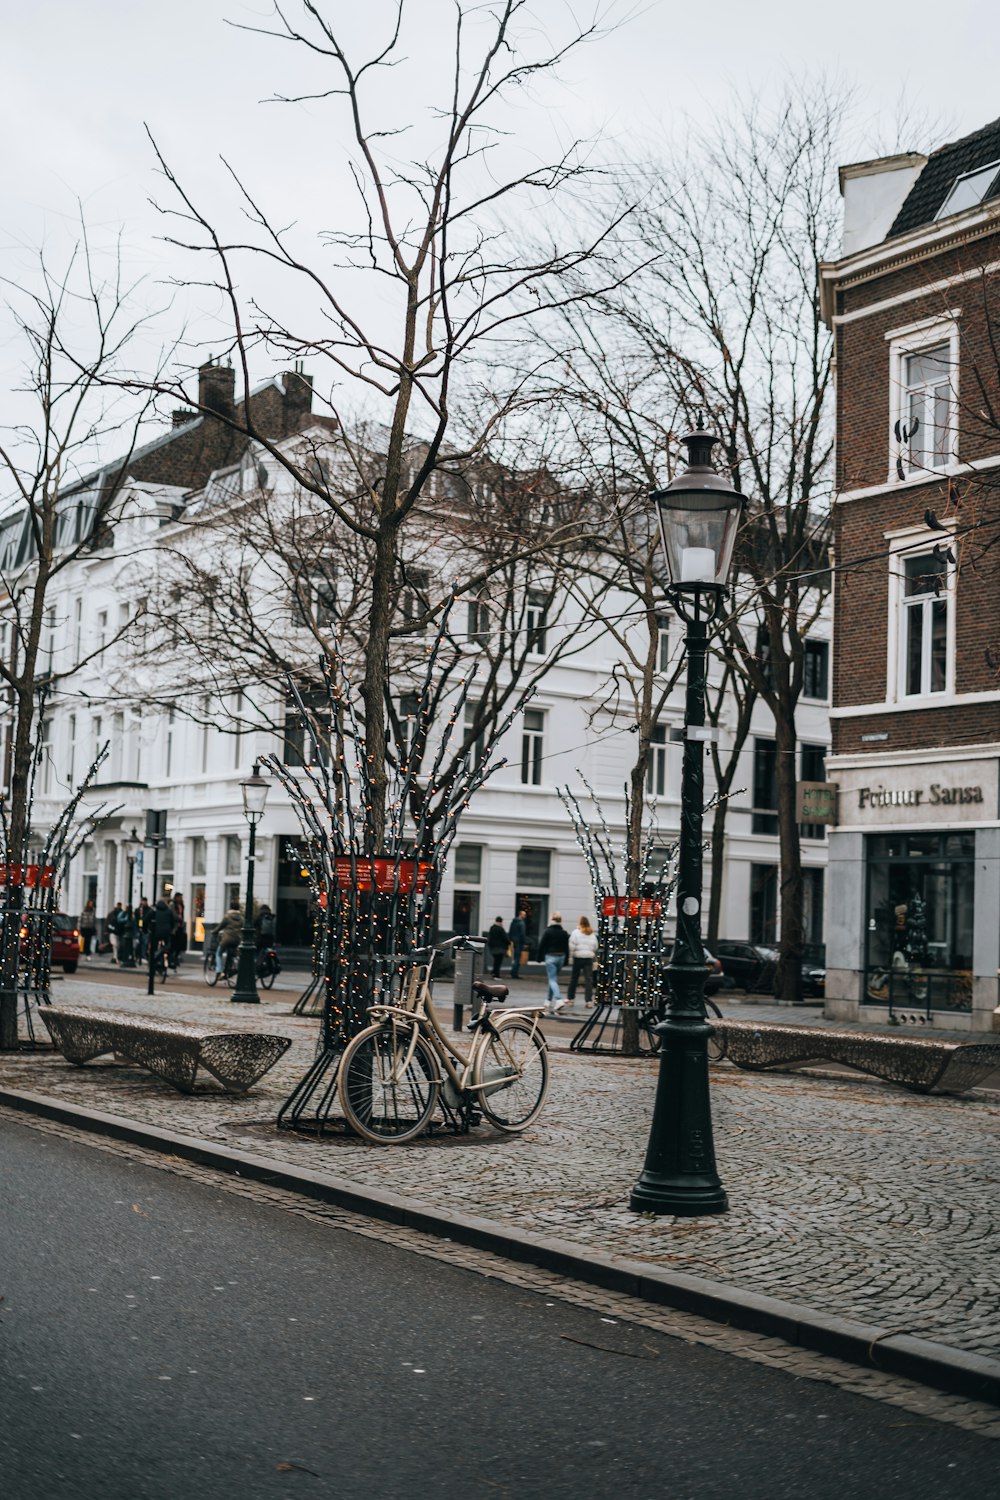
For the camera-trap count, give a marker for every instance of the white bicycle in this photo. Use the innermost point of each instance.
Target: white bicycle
(395, 1073)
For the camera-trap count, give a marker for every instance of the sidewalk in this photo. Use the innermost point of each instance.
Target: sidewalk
(849, 1199)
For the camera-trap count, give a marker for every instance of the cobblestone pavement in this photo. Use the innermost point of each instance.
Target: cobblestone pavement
(801, 1364)
(848, 1196)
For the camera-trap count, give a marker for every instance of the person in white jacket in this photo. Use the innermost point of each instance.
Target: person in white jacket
(582, 951)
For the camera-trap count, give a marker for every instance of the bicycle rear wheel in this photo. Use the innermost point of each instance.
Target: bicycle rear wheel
(266, 975)
(515, 1052)
(388, 1084)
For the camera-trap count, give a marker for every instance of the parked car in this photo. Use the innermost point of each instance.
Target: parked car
(65, 942)
(814, 969)
(750, 966)
(714, 967)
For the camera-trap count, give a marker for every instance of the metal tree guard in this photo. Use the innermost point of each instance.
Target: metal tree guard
(30, 885)
(379, 902)
(632, 938)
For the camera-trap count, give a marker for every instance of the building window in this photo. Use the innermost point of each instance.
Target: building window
(923, 633)
(409, 709)
(533, 876)
(468, 880)
(199, 855)
(920, 905)
(478, 621)
(816, 670)
(763, 904)
(45, 757)
(971, 189)
(169, 745)
(764, 818)
(927, 403)
(477, 748)
(415, 604)
(656, 765)
(300, 746)
(662, 643)
(536, 622)
(812, 760)
(923, 397)
(71, 754)
(532, 736)
(812, 907)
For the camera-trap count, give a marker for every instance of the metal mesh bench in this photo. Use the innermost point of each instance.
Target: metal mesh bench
(921, 1063)
(173, 1050)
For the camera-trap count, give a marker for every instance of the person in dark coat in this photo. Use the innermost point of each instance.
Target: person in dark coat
(496, 944)
(88, 928)
(161, 927)
(554, 949)
(518, 936)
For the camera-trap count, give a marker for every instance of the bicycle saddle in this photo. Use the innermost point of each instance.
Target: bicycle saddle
(492, 991)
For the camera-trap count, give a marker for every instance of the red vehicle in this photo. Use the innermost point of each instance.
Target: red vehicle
(65, 942)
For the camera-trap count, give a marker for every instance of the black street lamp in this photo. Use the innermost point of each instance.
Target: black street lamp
(699, 513)
(126, 955)
(255, 790)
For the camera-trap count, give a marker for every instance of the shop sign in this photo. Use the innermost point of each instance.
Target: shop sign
(918, 794)
(816, 801)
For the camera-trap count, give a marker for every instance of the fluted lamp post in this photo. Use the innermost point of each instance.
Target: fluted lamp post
(255, 790)
(126, 954)
(699, 512)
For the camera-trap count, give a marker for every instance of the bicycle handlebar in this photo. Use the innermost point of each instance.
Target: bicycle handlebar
(461, 941)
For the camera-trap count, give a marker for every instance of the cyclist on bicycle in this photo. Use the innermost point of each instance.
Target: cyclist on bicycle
(227, 937)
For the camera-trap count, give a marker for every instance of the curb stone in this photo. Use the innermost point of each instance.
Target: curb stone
(891, 1351)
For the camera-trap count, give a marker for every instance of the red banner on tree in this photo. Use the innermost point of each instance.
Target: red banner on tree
(637, 906)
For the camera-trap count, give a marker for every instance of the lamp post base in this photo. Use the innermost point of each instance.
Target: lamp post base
(679, 1175)
(245, 992)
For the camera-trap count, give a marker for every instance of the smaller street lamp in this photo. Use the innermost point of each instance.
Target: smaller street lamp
(126, 957)
(255, 790)
(699, 513)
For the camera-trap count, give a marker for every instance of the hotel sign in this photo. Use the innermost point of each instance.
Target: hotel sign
(816, 801)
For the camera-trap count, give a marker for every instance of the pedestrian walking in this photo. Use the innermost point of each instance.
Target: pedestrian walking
(554, 949)
(517, 937)
(178, 937)
(88, 927)
(113, 930)
(161, 926)
(582, 952)
(144, 919)
(496, 944)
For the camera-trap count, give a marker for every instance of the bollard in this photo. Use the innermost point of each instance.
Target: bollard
(468, 968)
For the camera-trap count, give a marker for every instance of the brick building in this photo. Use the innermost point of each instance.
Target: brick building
(914, 861)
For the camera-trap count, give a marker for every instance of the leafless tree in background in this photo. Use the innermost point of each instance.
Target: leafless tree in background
(458, 292)
(75, 329)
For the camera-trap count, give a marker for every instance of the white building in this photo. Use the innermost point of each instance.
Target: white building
(515, 845)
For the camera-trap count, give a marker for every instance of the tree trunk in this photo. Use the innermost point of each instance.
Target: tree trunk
(718, 851)
(788, 984)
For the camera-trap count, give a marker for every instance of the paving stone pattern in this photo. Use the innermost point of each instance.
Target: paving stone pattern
(852, 1197)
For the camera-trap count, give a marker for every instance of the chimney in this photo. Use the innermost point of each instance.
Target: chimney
(298, 394)
(182, 416)
(216, 384)
(873, 193)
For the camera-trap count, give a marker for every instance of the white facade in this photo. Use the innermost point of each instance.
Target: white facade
(515, 839)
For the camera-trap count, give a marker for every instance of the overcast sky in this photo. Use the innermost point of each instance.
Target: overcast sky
(82, 79)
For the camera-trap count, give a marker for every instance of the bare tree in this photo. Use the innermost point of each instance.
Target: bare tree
(438, 237)
(74, 328)
(726, 320)
(486, 564)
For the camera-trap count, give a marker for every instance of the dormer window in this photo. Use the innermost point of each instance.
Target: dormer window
(971, 189)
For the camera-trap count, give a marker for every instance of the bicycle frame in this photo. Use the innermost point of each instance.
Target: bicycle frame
(419, 1015)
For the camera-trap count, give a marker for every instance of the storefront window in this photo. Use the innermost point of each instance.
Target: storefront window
(920, 898)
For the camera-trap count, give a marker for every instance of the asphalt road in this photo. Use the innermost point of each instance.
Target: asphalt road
(161, 1339)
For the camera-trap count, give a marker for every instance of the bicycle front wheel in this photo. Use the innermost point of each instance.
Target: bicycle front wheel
(512, 1073)
(716, 1044)
(211, 972)
(388, 1084)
